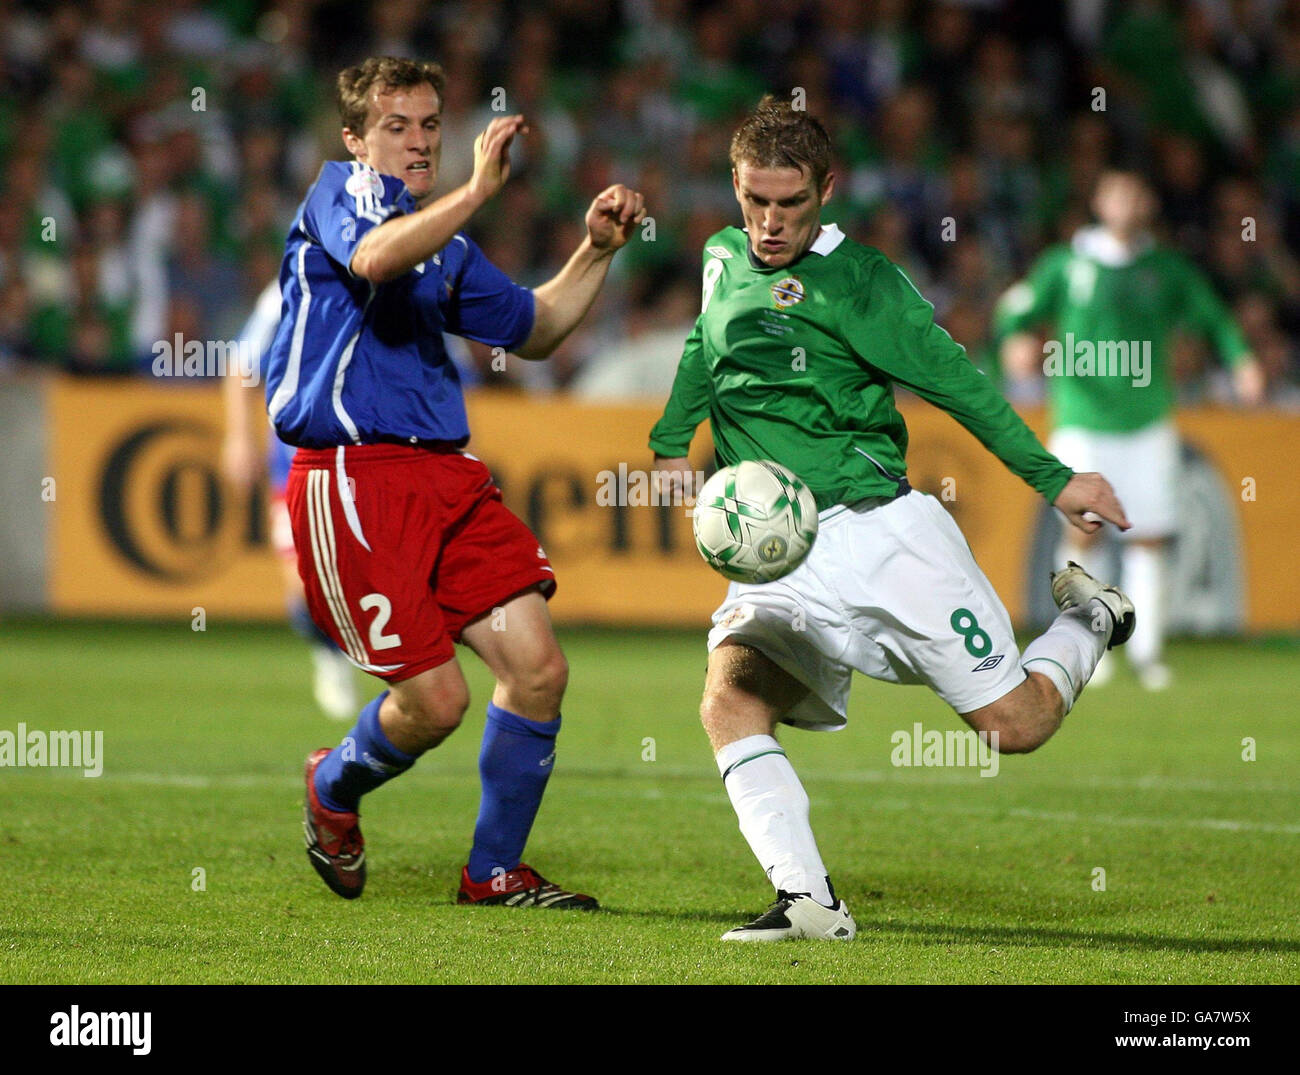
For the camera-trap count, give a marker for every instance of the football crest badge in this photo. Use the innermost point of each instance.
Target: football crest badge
(787, 291)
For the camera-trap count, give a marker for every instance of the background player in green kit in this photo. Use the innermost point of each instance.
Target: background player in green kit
(1114, 298)
(801, 337)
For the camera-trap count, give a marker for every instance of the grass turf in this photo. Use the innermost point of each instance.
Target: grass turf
(952, 877)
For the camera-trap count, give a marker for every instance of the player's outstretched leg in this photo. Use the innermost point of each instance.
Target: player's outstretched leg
(393, 730)
(517, 756)
(744, 697)
(1094, 617)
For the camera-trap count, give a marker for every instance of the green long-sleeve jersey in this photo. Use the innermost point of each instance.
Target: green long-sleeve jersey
(797, 364)
(1133, 302)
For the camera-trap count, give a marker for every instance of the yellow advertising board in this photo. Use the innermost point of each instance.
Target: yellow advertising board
(145, 526)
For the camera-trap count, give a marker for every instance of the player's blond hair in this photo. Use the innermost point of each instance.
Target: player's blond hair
(388, 73)
(776, 135)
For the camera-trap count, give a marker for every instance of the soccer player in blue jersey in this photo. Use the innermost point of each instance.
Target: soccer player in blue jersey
(404, 545)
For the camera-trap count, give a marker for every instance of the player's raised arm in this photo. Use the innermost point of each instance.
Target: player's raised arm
(564, 300)
(402, 242)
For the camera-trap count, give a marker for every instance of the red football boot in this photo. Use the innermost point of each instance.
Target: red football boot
(522, 887)
(335, 846)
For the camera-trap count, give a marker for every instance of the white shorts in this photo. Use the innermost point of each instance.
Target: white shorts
(890, 590)
(1141, 466)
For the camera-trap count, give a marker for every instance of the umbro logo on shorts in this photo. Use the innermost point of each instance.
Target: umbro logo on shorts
(987, 663)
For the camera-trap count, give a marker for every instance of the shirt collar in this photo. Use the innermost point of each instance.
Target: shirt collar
(827, 240)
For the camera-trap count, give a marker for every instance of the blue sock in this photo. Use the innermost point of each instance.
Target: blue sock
(514, 764)
(305, 627)
(364, 760)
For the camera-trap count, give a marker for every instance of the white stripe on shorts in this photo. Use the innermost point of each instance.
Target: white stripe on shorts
(321, 527)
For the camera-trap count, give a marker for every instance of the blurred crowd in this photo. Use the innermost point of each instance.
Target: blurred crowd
(154, 152)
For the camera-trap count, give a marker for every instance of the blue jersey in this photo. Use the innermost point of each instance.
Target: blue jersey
(356, 363)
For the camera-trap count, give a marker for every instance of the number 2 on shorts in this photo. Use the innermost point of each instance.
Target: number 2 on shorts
(384, 609)
(978, 643)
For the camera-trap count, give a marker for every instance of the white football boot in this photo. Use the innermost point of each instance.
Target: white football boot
(334, 685)
(795, 916)
(1073, 587)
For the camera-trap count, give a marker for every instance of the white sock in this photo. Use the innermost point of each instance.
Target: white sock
(1068, 652)
(772, 807)
(1144, 570)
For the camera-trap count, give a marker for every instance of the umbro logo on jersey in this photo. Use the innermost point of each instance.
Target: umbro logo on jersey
(987, 663)
(718, 251)
(788, 291)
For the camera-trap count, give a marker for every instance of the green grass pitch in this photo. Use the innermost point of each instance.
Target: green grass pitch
(952, 877)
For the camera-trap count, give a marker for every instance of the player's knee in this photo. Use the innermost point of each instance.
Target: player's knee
(728, 714)
(552, 677)
(441, 711)
(714, 707)
(1010, 728)
(542, 680)
(1010, 736)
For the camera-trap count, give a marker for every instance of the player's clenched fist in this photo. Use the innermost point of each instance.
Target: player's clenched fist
(614, 216)
(492, 155)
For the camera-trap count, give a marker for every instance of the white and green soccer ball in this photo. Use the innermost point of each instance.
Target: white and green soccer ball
(755, 521)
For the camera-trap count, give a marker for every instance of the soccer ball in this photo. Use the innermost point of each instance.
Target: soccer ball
(755, 521)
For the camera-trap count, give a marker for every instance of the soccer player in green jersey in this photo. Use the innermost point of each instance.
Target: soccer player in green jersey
(802, 336)
(1115, 297)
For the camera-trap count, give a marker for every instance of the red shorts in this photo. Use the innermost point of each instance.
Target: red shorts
(400, 547)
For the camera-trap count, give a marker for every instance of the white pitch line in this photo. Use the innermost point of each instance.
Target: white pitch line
(923, 776)
(654, 791)
(902, 805)
(1074, 818)
(194, 780)
(909, 777)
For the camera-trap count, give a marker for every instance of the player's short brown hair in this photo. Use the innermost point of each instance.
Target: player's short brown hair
(388, 73)
(776, 135)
